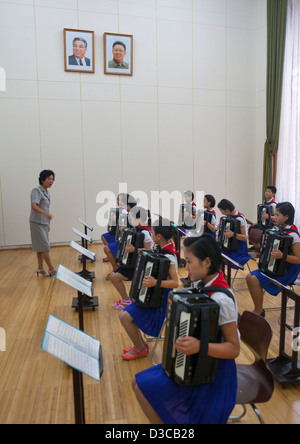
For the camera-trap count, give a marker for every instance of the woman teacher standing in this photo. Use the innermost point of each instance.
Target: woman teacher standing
(40, 222)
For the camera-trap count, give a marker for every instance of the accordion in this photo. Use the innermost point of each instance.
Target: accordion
(265, 209)
(275, 240)
(113, 220)
(130, 236)
(203, 215)
(123, 221)
(185, 219)
(191, 313)
(154, 264)
(233, 224)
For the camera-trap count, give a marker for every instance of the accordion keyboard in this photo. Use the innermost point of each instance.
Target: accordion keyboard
(272, 261)
(125, 255)
(184, 328)
(148, 272)
(226, 240)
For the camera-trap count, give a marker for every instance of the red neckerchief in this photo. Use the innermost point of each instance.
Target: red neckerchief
(170, 247)
(292, 227)
(218, 282)
(271, 201)
(144, 227)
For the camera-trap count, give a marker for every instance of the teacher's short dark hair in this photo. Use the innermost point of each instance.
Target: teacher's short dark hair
(44, 174)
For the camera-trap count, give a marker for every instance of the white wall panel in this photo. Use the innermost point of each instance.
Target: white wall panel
(61, 142)
(20, 165)
(176, 147)
(139, 146)
(102, 153)
(18, 56)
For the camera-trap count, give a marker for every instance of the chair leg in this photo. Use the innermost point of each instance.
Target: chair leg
(239, 417)
(235, 278)
(159, 337)
(258, 414)
(275, 308)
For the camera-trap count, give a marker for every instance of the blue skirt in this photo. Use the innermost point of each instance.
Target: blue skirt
(241, 256)
(126, 272)
(113, 248)
(202, 404)
(110, 238)
(292, 271)
(149, 320)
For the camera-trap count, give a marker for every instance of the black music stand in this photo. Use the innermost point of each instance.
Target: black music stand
(286, 368)
(226, 260)
(84, 290)
(84, 245)
(84, 300)
(78, 350)
(84, 240)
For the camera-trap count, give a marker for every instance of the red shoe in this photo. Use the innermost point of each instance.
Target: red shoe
(138, 353)
(121, 304)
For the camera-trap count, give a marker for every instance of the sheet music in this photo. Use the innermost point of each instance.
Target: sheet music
(85, 224)
(85, 236)
(228, 259)
(74, 280)
(83, 251)
(72, 346)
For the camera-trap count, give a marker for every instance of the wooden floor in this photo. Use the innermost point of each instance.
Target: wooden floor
(36, 388)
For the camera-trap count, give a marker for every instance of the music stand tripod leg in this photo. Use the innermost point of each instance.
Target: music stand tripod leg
(78, 397)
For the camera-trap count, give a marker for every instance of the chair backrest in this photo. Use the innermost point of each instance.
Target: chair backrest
(256, 333)
(255, 235)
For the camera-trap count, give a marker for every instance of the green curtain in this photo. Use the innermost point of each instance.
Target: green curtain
(276, 19)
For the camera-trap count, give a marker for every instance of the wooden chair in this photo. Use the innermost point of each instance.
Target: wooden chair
(255, 381)
(255, 238)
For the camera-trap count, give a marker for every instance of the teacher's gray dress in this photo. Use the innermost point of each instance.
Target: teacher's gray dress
(39, 224)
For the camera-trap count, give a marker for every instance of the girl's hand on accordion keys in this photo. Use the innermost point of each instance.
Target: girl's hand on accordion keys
(277, 254)
(188, 345)
(149, 281)
(228, 234)
(129, 249)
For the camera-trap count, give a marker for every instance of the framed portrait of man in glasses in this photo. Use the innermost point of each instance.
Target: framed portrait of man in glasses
(118, 54)
(79, 50)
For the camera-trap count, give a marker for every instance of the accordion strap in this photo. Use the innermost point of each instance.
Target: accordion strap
(205, 290)
(204, 341)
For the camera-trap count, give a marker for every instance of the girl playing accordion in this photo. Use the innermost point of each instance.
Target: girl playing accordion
(257, 283)
(150, 320)
(162, 399)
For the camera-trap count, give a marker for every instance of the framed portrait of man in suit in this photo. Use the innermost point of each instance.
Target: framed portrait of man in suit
(79, 50)
(118, 54)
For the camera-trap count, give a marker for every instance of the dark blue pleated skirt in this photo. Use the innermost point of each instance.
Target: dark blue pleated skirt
(292, 271)
(110, 238)
(113, 248)
(149, 320)
(241, 256)
(202, 404)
